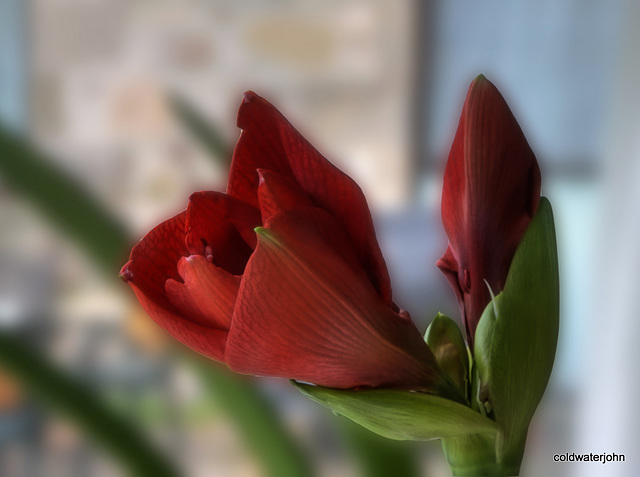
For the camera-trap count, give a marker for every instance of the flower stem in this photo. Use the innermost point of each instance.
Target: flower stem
(475, 455)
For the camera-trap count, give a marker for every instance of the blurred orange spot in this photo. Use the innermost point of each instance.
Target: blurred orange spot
(144, 332)
(10, 393)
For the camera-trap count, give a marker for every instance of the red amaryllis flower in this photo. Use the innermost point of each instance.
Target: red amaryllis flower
(490, 194)
(282, 275)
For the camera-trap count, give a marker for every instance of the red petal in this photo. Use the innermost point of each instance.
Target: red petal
(303, 313)
(490, 193)
(269, 141)
(153, 261)
(278, 193)
(225, 225)
(208, 293)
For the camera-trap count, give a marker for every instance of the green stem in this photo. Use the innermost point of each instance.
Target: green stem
(475, 455)
(83, 408)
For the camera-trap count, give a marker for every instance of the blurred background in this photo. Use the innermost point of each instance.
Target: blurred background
(378, 87)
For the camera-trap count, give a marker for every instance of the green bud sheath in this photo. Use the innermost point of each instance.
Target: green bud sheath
(447, 344)
(515, 347)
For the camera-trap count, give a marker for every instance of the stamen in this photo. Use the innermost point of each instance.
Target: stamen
(208, 253)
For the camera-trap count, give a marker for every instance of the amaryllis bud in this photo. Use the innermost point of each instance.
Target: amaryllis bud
(490, 193)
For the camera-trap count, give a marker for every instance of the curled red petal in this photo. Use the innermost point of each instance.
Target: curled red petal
(205, 340)
(155, 258)
(225, 225)
(153, 261)
(490, 193)
(303, 313)
(269, 141)
(208, 293)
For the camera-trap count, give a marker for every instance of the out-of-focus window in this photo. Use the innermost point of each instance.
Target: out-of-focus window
(553, 62)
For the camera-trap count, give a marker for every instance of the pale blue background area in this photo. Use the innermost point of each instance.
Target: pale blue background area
(552, 60)
(13, 84)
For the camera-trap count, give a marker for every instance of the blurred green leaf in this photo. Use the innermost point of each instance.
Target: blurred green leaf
(515, 342)
(210, 138)
(402, 415)
(67, 205)
(447, 344)
(78, 403)
(256, 420)
(378, 456)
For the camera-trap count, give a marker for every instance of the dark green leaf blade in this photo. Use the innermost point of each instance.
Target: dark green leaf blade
(30, 173)
(73, 400)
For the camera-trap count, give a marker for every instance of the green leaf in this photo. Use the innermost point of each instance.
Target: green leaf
(60, 199)
(515, 347)
(75, 401)
(447, 344)
(210, 138)
(401, 415)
